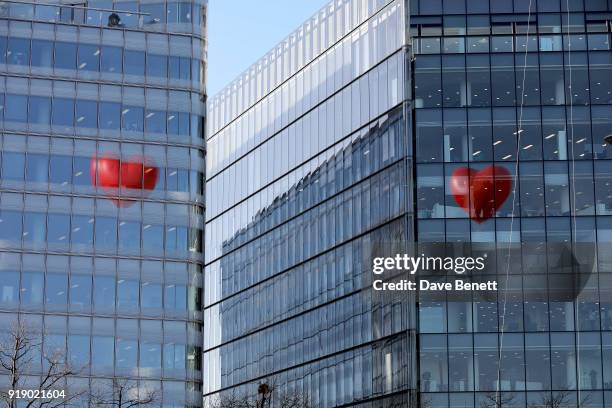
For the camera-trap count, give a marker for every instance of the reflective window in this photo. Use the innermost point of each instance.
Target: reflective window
(110, 115)
(157, 65)
(80, 291)
(81, 171)
(56, 290)
(178, 123)
(179, 68)
(9, 289)
(176, 239)
(155, 13)
(65, 55)
(502, 79)
(129, 236)
(111, 60)
(86, 113)
(104, 293)
(13, 166)
(18, 52)
(37, 168)
(134, 62)
(63, 112)
(177, 180)
(155, 121)
(106, 233)
(89, 57)
(78, 350)
(127, 295)
(82, 230)
(16, 108)
(429, 135)
(32, 288)
(40, 110)
(104, 346)
(42, 53)
(59, 229)
(132, 118)
(11, 226)
(600, 65)
(434, 369)
(3, 54)
(34, 229)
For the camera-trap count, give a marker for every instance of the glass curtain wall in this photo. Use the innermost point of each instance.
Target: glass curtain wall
(498, 83)
(102, 167)
(306, 175)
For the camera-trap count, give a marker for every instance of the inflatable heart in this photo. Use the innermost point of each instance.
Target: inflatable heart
(110, 174)
(481, 193)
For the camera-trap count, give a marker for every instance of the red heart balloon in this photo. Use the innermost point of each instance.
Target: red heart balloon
(481, 193)
(110, 173)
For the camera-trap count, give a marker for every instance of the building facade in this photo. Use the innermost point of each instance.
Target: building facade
(101, 191)
(307, 162)
(347, 136)
(523, 86)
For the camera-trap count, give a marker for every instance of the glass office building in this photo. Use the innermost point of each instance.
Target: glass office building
(337, 141)
(525, 86)
(306, 173)
(101, 189)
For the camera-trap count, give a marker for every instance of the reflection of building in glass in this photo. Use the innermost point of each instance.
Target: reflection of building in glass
(105, 257)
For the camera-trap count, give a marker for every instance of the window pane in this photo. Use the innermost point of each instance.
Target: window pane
(104, 293)
(3, 45)
(89, 57)
(65, 55)
(56, 289)
(133, 118)
(18, 51)
(104, 347)
(40, 110)
(63, 112)
(429, 135)
(32, 288)
(42, 53)
(134, 62)
(9, 289)
(59, 229)
(155, 122)
(11, 226)
(16, 108)
(111, 61)
(13, 166)
(81, 171)
(153, 238)
(157, 66)
(82, 230)
(127, 295)
(106, 233)
(34, 228)
(110, 115)
(86, 113)
(78, 350)
(37, 168)
(129, 236)
(434, 367)
(154, 13)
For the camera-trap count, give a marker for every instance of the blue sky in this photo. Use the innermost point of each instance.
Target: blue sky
(241, 31)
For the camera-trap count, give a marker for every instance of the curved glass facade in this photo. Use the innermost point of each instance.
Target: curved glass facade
(102, 188)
